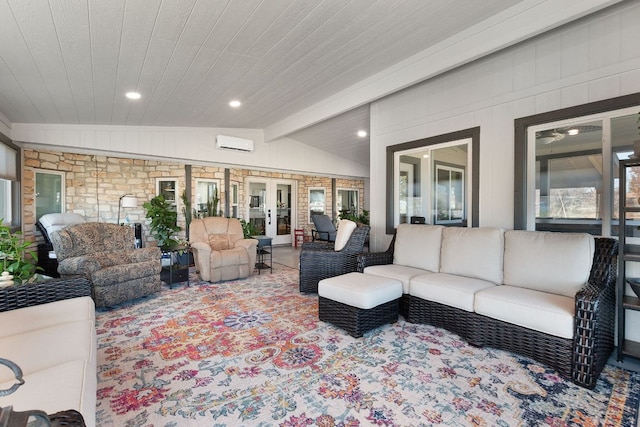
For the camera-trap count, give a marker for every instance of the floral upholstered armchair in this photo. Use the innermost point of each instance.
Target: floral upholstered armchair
(105, 254)
(220, 250)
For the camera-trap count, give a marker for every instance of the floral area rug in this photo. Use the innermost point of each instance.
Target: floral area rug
(252, 353)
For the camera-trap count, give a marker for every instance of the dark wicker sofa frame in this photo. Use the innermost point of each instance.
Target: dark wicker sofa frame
(29, 294)
(320, 261)
(580, 359)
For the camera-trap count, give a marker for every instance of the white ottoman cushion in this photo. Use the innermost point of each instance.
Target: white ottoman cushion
(360, 290)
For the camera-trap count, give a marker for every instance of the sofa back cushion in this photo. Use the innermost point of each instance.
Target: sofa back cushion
(345, 230)
(473, 252)
(92, 237)
(418, 246)
(558, 263)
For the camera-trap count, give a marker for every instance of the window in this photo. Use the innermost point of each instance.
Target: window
(317, 201)
(50, 187)
(9, 185)
(434, 180)
(234, 200)
(208, 197)
(567, 166)
(168, 188)
(347, 201)
(449, 191)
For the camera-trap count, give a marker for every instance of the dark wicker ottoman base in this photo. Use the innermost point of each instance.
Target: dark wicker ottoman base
(354, 320)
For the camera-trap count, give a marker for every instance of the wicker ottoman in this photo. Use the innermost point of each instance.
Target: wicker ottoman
(358, 302)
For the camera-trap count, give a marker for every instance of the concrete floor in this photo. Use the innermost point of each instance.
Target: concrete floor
(287, 255)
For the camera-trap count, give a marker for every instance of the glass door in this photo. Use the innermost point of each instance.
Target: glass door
(271, 208)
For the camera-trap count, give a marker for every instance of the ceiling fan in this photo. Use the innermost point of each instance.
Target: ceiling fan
(553, 135)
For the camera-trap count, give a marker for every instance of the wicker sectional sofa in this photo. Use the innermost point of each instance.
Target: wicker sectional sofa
(48, 331)
(547, 296)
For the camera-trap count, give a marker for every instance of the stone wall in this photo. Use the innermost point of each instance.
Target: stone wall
(95, 183)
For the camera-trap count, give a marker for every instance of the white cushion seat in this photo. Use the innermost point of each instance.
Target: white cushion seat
(448, 289)
(537, 310)
(358, 302)
(54, 344)
(395, 271)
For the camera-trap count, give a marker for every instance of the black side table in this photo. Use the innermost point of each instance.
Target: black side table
(178, 269)
(264, 251)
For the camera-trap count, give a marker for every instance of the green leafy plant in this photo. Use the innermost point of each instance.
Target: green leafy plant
(363, 218)
(248, 229)
(163, 221)
(15, 255)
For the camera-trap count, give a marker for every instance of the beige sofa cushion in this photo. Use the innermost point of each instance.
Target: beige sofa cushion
(418, 246)
(541, 311)
(71, 385)
(394, 271)
(55, 346)
(559, 263)
(473, 252)
(448, 289)
(345, 230)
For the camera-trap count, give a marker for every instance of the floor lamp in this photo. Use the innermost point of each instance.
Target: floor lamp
(127, 201)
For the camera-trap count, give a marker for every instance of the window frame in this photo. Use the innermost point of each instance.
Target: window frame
(324, 206)
(523, 151)
(472, 133)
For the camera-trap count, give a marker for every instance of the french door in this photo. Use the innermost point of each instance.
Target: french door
(271, 207)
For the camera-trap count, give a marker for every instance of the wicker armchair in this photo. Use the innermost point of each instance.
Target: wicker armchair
(320, 260)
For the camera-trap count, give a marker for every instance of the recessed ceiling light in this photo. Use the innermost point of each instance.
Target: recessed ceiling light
(133, 95)
(362, 133)
(235, 103)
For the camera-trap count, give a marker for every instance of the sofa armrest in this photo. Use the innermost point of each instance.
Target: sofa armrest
(595, 306)
(26, 295)
(151, 253)
(80, 265)
(377, 258)
(374, 258)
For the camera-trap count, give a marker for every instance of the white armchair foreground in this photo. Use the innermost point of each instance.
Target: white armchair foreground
(220, 250)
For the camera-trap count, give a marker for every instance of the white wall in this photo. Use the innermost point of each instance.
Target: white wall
(189, 145)
(590, 60)
(593, 59)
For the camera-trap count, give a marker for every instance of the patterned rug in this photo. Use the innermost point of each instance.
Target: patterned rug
(252, 353)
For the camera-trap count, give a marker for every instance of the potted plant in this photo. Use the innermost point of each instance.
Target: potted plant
(15, 256)
(163, 222)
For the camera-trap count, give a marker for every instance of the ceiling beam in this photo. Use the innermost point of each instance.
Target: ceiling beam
(520, 22)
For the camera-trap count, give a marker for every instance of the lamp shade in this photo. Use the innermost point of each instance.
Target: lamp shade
(129, 201)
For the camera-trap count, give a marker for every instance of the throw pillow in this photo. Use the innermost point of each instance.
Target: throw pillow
(218, 242)
(345, 229)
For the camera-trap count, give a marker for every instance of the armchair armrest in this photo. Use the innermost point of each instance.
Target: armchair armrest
(150, 253)
(26, 295)
(595, 306)
(79, 266)
(319, 264)
(248, 244)
(200, 246)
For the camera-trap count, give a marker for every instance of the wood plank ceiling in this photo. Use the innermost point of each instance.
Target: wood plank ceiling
(71, 61)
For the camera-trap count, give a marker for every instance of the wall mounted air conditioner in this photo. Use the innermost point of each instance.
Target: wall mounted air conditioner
(234, 143)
